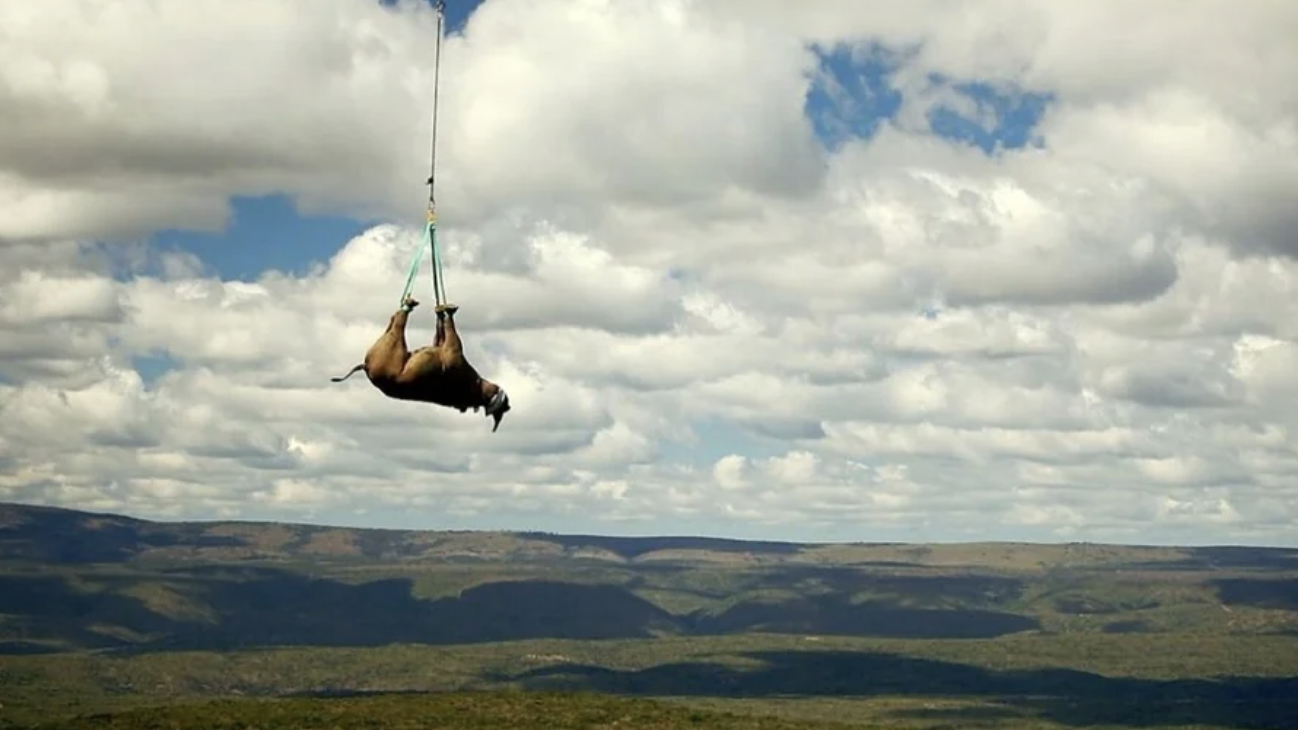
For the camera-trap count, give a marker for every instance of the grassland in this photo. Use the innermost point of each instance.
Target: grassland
(1018, 681)
(100, 614)
(467, 711)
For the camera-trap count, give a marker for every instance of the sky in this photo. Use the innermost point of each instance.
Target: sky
(995, 270)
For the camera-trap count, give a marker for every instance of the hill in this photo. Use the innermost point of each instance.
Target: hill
(54, 535)
(75, 580)
(103, 612)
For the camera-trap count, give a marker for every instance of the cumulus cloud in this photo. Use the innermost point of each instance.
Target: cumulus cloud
(707, 318)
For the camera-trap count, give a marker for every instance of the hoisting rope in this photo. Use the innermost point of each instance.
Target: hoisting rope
(430, 230)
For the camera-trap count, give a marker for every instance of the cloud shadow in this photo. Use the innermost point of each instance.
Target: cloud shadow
(1064, 696)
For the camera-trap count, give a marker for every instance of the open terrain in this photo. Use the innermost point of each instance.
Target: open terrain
(104, 613)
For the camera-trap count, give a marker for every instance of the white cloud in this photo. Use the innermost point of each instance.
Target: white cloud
(591, 101)
(1093, 338)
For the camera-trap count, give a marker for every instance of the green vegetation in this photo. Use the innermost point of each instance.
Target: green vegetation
(1011, 682)
(101, 614)
(460, 711)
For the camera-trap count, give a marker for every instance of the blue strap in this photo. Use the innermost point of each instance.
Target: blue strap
(439, 282)
(429, 244)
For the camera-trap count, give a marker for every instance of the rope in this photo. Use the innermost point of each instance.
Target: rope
(437, 73)
(430, 230)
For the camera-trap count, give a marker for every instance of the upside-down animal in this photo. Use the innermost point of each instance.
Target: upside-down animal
(438, 374)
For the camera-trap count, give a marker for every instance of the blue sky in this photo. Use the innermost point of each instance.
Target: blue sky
(966, 443)
(850, 100)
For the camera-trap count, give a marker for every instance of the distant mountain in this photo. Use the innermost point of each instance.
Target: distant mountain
(76, 580)
(46, 534)
(53, 535)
